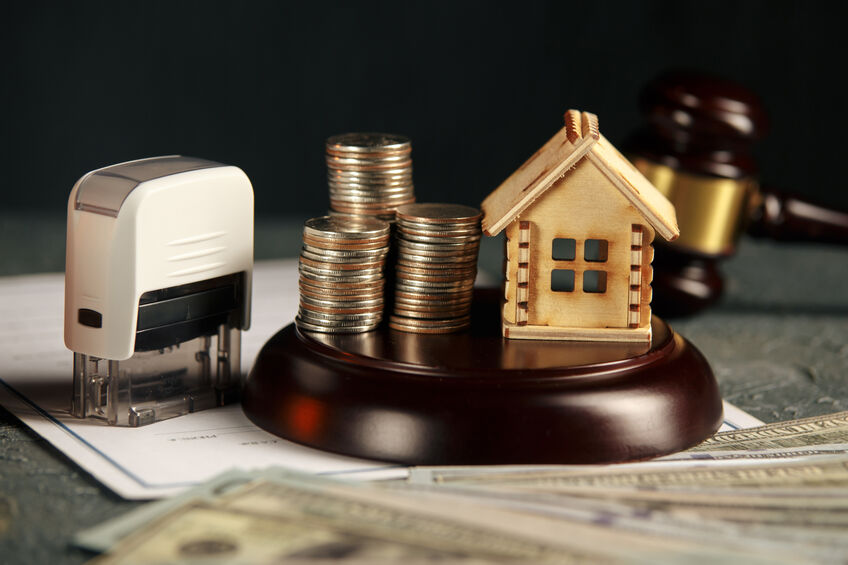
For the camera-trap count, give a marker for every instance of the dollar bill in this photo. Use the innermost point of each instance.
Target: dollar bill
(104, 536)
(761, 495)
(761, 522)
(200, 532)
(684, 459)
(294, 517)
(819, 471)
(817, 430)
(759, 453)
(793, 439)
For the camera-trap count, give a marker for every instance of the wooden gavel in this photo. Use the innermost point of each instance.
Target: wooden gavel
(695, 147)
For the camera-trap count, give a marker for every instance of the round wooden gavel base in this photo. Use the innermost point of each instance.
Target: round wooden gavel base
(477, 398)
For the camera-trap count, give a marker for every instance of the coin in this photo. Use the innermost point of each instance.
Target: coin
(341, 310)
(330, 301)
(341, 281)
(368, 142)
(436, 266)
(436, 213)
(377, 253)
(415, 325)
(339, 318)
(346, 244)
(369, 174)
(341, 269)
(306, 325)
(327, 227)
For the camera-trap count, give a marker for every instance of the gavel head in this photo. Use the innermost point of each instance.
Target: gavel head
(695, 147)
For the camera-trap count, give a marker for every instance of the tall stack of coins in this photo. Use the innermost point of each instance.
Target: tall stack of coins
(341, 274)
(370, 174)
(437, 247)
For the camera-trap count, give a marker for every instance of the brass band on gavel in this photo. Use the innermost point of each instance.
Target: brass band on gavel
(711, 211)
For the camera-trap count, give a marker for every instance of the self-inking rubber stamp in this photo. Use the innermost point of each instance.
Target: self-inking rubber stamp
(157, 287)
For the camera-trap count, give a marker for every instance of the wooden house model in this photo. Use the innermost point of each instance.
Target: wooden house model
(579, 221)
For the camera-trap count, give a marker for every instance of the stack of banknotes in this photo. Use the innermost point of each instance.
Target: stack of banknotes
(773, 494)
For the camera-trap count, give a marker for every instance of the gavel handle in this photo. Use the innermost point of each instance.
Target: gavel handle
(786, 217)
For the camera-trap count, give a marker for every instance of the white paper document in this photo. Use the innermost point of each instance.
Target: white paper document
(164, 458)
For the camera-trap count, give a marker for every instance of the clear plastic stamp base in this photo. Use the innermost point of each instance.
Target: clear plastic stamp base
(156, 385)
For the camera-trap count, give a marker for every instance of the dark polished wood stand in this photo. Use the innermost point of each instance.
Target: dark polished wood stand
(476, 398)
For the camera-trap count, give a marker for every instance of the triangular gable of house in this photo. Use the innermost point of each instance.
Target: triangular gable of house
(540, 171)
(638, 190)
(579, 138)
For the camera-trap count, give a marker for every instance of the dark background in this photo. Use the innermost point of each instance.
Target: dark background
(478, 86)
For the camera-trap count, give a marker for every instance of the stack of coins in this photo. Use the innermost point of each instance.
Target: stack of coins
(370, 174)
(437, 247)
(341, 274)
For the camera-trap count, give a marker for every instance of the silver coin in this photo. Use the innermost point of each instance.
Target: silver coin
(347, 244)
(447, 230)
(403, 289)
(356, 265)
(366, 191)
(387, 216)
(318, 317)
(401, 174)
(341, 261)
(429, 289)
(341, 310)
(389, 168)
(337, 160)
(380, 203)
(331, 302)
(450, 247)
(464, 271)
(341, 289)
(370, 196)
(413, 325)
(328, 300)
(468, 253)
(332, 275)
(371, 199)
(438, 213)
(333, 329)
(336, 151)
(436, 256)
(436, 277)
(431, 315)
(437, 261)
(368, 142)
(430, 301)
(343, 300)
(437, 311)
(345, 255)
(327, 227)
(361, 211)
(378, 252)
(366, 203)
(342, 279)
(371, 183)
(438, 239)
(433, 294)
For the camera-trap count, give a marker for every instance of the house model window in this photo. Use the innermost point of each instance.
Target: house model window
(584, 275)
(563, 277)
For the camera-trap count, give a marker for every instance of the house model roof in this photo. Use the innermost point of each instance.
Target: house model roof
(578, 139)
